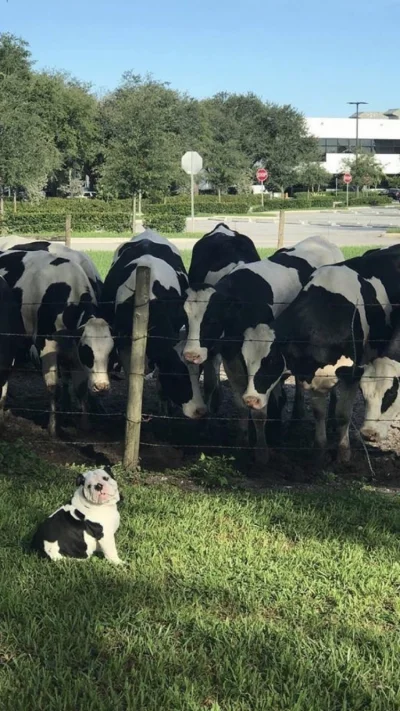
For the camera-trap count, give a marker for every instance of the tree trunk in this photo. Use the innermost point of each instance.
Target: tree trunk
(219, 194)
(1, 204)
(15, 201)
(308, 193)
(134, 215)
(282, 192)
(318, 188)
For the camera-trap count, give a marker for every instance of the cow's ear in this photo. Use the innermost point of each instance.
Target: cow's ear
(80, 480)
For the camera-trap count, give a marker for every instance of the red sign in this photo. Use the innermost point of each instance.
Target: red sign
(262, 175)
(347, 178)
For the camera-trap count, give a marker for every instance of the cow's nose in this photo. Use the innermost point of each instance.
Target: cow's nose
(100, 388)
(253, 401)
(99, 487)
(370, 434)
(200, 412)
(192, 357)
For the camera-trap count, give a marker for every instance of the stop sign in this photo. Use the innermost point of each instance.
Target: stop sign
(262, 175)
(347, 178)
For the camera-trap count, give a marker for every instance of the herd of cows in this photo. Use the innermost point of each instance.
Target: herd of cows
(305, 312)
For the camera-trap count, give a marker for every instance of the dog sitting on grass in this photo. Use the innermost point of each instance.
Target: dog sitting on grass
(86, 525)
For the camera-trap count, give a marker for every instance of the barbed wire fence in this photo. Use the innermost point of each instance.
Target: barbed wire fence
(134, 415)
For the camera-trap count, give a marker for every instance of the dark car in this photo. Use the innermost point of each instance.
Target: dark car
(394, 193)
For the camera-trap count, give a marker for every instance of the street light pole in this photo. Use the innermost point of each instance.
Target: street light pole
(357, 104)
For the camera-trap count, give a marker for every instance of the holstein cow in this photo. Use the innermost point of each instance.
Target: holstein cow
(9, 334)
(240, 308)
(178, 381)
(20, 243)
(341, 320)
(214, 256)
(58, 312)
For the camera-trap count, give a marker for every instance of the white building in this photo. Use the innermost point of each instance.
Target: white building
(379, 133)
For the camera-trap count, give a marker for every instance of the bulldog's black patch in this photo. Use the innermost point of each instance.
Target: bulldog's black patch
(68, 532)
(59, 260)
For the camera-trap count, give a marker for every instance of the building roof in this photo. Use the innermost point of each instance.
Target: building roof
(370, 115)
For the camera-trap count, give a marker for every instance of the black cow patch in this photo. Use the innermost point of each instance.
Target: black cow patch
(285, 259)
(216, 250)
(390, 395)
(59, 260)
(86, 356)
(53, 304)
(12, 263)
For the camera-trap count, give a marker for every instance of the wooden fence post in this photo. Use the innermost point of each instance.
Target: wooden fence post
(134, 215)
(15, 201)
(68, 219)
(281, 228)
(140, 323)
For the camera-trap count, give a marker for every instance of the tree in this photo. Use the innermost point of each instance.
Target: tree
(27, 153)
(366, 170)
(141, 135)
(312, 174)
(287, 145)
(15, 56)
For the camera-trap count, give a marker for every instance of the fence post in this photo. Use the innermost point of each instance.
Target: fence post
(137, 367)
(15, 201)
(68, 219)
(134, 215)
(281, 228)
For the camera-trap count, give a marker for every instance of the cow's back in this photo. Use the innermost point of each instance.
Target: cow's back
(218, 253)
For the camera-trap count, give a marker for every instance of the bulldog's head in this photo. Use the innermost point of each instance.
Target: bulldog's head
(99, 487)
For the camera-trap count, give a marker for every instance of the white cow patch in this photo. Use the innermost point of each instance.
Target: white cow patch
(256, 346)
(160, 272)
(195, 307)
(326, 378)
(378, 380)
(222, 229)
(317, 251)
(213, 278)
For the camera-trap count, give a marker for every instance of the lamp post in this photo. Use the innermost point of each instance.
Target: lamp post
(357, 104)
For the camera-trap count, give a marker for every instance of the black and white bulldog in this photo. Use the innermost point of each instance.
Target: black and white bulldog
(85, 525)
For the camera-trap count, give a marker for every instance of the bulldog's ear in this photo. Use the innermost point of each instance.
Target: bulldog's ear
(80, 480)
(108, 471)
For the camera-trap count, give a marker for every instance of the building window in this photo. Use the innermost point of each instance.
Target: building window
(366, 145)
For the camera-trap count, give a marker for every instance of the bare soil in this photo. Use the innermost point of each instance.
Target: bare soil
(174, 443)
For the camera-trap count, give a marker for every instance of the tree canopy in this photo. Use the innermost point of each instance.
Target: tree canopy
(55, 131)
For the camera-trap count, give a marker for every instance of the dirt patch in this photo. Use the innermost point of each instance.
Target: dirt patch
(174, 443)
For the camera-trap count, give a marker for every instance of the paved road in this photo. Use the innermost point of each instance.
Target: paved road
(362, 226)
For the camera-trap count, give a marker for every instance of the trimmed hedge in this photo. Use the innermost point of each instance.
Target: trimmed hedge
(165, 223)
(31, 222)
(202, 207)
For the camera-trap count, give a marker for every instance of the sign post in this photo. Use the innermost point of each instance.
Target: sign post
(192, 163)
(262, 176)
(347, 180)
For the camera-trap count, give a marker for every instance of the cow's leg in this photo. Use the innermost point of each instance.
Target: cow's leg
(318, 402)
(80, 386)
(332, 409)
(344, 409)
(4, 376)
(298, 405)
(261, 452)
(212, 387)
(238, 382)
(48, 357)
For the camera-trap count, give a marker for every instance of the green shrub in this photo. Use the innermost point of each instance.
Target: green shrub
(32, 222)
(165, 223)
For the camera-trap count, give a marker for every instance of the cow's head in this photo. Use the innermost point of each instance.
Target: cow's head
(204, 314)
(91, 344)
(381, 391)
(179, 382)
(264, 364)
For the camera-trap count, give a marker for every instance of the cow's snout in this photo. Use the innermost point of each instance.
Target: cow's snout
(253, 401)
(200, 412)
(193, 357)
(100, 388)
(370, 434)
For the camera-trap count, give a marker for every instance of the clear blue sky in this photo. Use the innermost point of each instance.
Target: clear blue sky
(314, 55)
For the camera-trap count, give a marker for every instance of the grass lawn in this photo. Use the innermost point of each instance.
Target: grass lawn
(103, 259)
(393, 230)
(229, 600)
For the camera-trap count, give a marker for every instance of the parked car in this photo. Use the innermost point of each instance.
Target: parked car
(394, 193)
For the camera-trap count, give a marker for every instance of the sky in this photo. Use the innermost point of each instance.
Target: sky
(314, 55)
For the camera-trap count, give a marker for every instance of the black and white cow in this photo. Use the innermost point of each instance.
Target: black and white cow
(58, 313)
(214, 256)
(9, 335)
(21, 243)
(240, 308)
(178, 381)
(341, 320)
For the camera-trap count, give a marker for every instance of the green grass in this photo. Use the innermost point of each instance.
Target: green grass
(393, 230)
(229, 601)
(103, 259)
